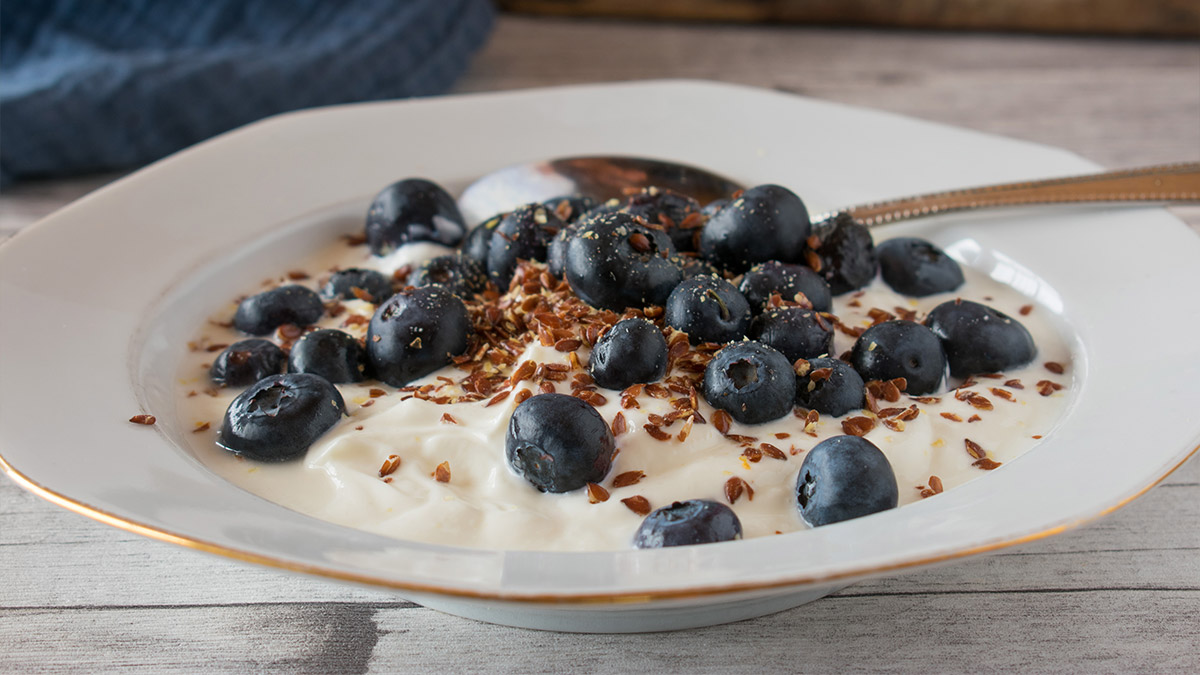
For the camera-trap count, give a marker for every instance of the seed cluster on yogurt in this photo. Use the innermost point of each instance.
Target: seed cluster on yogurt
(649, 371)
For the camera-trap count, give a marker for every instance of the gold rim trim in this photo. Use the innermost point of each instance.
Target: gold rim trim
(586, 599)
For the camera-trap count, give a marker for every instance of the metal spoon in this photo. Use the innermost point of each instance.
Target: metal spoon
(603, 178)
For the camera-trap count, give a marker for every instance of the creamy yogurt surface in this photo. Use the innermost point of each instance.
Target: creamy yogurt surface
(447, 480)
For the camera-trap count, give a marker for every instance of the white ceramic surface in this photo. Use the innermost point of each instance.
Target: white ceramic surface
(93, 330)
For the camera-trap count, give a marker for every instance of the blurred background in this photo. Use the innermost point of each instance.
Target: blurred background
(88, 88)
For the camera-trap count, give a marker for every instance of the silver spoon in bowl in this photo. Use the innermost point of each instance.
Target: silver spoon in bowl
(605, 177)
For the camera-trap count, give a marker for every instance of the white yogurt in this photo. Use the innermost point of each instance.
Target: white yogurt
(484, 504)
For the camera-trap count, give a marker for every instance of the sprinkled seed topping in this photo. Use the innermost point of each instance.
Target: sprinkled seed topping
(442, 473)
(389, 465)
(596, 494)
(143, 419)
(638, 504)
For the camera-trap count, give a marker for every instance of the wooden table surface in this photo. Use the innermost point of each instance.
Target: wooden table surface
(1121, 594)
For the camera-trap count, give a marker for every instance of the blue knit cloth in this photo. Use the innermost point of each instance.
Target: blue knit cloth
(88, 85)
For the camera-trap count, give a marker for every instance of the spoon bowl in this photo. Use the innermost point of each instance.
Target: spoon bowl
(601, 178)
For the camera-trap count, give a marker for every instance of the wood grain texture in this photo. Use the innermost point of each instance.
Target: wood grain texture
(1119, 595)
(1124, 17)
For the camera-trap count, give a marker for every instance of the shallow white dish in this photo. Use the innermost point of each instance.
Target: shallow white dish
(94, 331)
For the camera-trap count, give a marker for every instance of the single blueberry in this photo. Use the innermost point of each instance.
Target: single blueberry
(416, 332)
(767, 222)
(750, 381)
(844, 477)
(333, 354)
(413, 209)
(766, 279)
(979, 339)
(708, 309)
(795, 332)
(523, 234)
(710, 209)
(558, 443)
(696, 521)
(613, 262)
(846, 254)
(342, 283)
(246, 362)
(570, 207)
(278, 417)
(900, 349)
(477, 242)
(260, 314)
(455, 272)
(829, 386)
(632, 351)
(916, 267)
(670, 211)
(692, 266)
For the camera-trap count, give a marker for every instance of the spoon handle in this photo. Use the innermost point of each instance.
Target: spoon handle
(1163, 183)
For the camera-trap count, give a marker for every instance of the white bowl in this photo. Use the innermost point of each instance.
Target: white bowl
(96, 319)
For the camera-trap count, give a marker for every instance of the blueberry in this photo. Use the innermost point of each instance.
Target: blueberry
(750, 381)
(696, 521)
(416, 332)
(342, 283)
(334, 355)
(570, 207)
(767, 222)
(979, 339)
(455, 272)
(246, 362)
(614, 262)
(695, 267)
(260, 314)
(846, 254)
(414, 209)
(829, 386)
(672, 212)
(844, 477)
(632, 351)
(556, 252)
(795, 332)
(916, 267)
(787, 280)
(708, 309)
(278, 417)
(559, 443)
(900, 349)
(710, 209)
(477, 242)
(523, 234)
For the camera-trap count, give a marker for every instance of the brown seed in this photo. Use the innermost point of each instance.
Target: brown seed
(596, 494)
(618, 424)
(1054, 367)
(497, 398)
(973, 418)
(721, 420)
(628, 478)
(820, 374)
(568, 344)
(935, 484)
(376, 393)
(773, 452)
(951, 416)
(638, 504)
(753, 454)
(1025, 310)
(974, 449)
(521, 396)
(547, 387)
(591, 397)
(523, 372)
(1014, 384)
(734, 487)
(389, 465)
(1046, 387)
(143, 419)
(203, 426)
(1003, 393)
(640, 242)
(447, 418)
(985, 464)
(297, 275)
(857, 426)
(656, 433)
(686, 430)
(442, 473)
